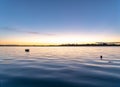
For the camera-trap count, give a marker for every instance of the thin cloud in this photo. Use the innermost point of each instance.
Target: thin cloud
(27, 32)
(9, 28)
(31, 32)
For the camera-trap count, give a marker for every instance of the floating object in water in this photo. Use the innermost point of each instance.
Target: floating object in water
(101, 57)
(27, 50)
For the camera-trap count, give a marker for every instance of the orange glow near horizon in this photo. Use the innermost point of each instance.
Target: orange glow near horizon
(55, 40)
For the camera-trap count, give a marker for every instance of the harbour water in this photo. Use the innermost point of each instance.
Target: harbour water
(59, 67)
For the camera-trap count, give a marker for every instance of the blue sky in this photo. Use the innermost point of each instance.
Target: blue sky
(54, 20)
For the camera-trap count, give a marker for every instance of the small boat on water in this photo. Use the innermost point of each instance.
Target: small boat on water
(27, 50)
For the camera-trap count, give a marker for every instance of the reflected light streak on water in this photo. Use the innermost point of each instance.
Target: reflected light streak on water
(59, 67)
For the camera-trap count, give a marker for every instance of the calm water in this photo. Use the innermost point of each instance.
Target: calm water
(60, 67)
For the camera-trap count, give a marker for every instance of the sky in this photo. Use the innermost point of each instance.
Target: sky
(36, 22)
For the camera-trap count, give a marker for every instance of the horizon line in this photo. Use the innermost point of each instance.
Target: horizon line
(69, 44)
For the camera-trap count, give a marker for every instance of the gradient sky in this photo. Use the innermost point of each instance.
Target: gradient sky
(59, 21)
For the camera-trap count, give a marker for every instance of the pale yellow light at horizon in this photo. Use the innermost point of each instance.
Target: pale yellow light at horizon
(60, 39)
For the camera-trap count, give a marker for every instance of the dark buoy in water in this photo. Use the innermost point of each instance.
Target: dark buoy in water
(101, 57)
(27, 50)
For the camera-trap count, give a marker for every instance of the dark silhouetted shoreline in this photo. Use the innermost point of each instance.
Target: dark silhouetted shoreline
(94, 44)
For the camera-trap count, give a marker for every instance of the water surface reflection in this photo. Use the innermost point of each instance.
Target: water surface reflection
(59, 67)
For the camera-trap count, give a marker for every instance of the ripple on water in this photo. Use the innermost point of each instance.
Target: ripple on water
(55, 67)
